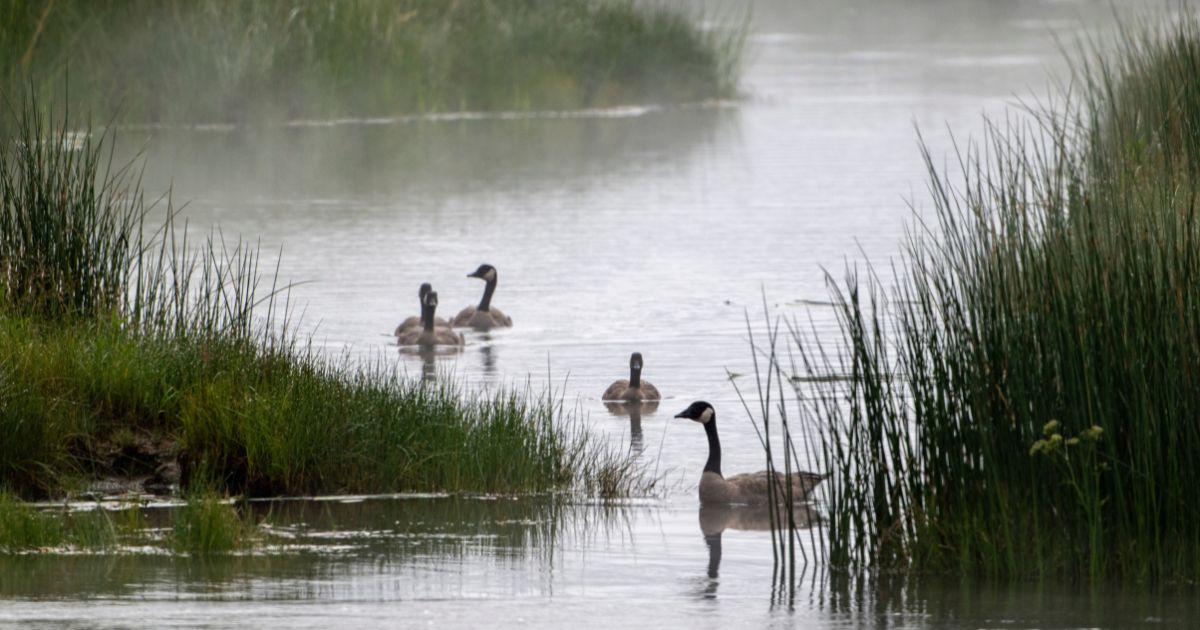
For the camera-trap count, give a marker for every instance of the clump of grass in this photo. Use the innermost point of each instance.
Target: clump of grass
(26, 528)
(209, 523)
(64, 240)
(1022, 404)
(213, 60)
(22, 527)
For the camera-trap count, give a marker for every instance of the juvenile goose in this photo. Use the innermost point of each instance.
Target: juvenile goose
(483, 317)
(414, 322)
(747, 489)
(428, 335)
(634, 389)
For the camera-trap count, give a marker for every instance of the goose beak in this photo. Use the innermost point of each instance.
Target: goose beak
(682, 414)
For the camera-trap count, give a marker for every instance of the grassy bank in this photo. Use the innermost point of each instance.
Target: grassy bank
(136, 352)
(1023, 402)
(81, 400)
(213, 61)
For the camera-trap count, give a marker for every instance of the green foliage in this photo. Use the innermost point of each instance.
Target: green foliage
(26, 528)
(271, 421)
(64, 241)
(1023, 403)
(209, 523)
(217, 60)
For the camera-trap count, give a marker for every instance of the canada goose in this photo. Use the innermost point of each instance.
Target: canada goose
(483, 317)
(747, 489)
(634, 389)
(428, 335)
(413, 322)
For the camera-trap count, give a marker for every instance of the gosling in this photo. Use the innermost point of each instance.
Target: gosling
(634, 389)
(483, 317)
(414, 322)
(429, 336)
(746, 489)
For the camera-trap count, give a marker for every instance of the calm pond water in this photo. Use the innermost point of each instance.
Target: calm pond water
(642, 229)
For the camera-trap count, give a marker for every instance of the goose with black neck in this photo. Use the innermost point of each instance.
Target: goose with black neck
(484, 316)
(634, 389)
(429, 335)
(744, 489)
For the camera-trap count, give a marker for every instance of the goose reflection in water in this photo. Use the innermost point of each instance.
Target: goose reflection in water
(488, 352)
(429, 357)
(716, 518)
(634, 410)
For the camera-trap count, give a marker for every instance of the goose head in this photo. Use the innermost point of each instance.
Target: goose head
(699, 411)
(424, 290)
(635, 361)
(485, 272)
(431, 300)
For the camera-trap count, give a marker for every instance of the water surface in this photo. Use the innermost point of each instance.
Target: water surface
(641, 228)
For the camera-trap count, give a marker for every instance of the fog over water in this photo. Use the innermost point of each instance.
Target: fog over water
(633, 229)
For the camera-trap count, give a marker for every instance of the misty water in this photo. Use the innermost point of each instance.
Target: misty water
(632, 229)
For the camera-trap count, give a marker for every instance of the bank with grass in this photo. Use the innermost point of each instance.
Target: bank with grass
(213, 61)
(130, 350)
(1021, 398)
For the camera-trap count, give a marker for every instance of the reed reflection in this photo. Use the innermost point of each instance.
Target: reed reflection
(634, 410)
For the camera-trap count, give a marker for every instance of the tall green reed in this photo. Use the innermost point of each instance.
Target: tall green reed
(65, 227)
(1019, 402)
(75, 243)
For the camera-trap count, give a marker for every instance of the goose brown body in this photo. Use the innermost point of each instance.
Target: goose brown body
(745, 489)
(634, 389)
(751, 488)
(472, 317)
(483, 316)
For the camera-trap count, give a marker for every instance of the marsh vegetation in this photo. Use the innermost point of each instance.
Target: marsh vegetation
(132, 350)
(212, 61)
(1020, 401)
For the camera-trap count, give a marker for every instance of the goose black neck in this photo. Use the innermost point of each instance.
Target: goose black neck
(635, 377)
(427, 317)
(714, 447)
(486, 302)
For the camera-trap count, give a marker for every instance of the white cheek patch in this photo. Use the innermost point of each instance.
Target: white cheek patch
(706, 416)
(490, 276)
